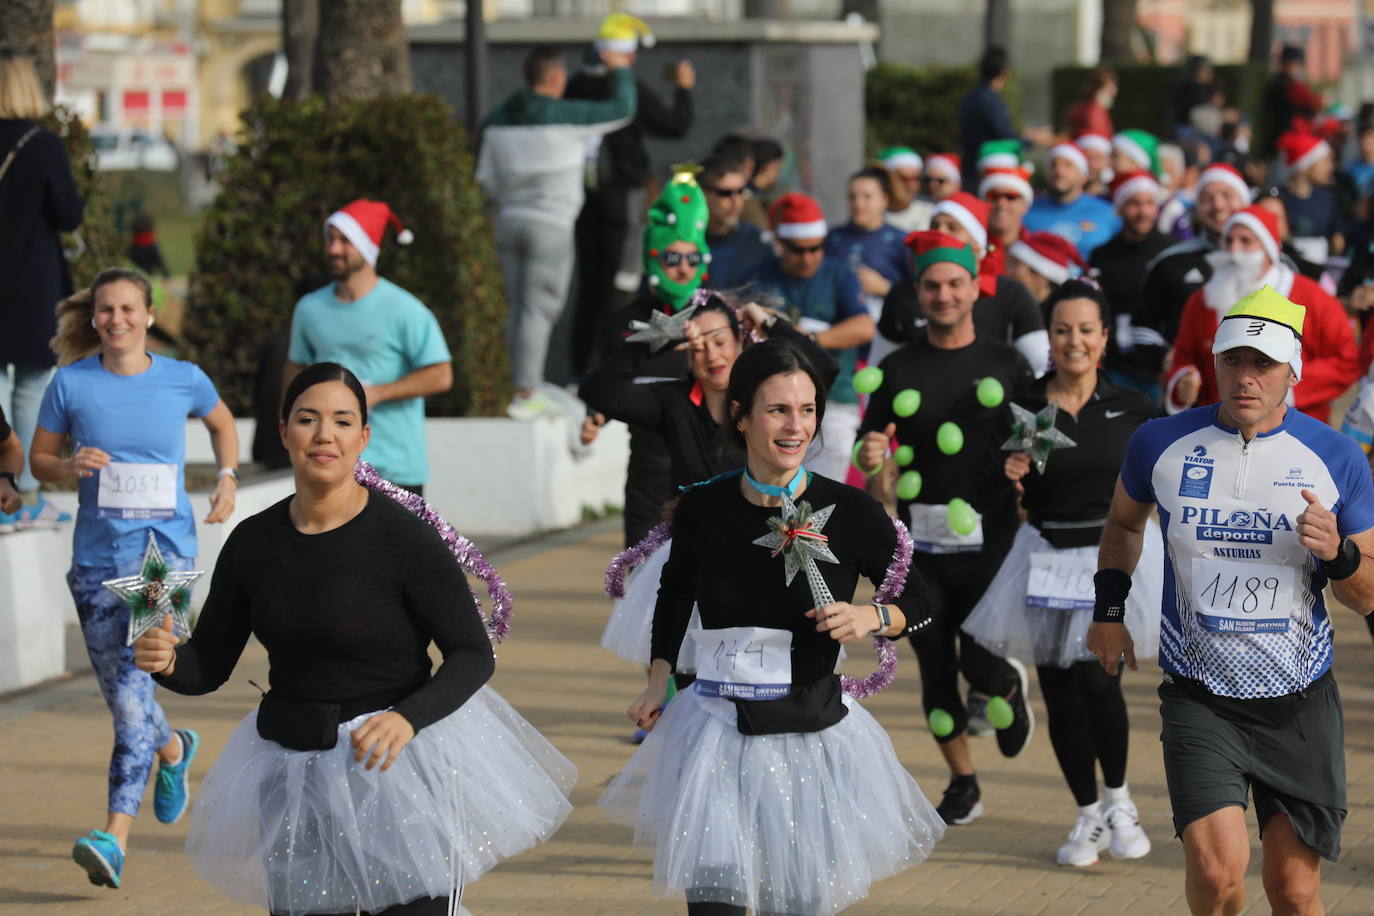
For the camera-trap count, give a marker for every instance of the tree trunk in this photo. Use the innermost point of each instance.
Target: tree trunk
(28, 31)
(362, 52)
(1262, 30)
(300, 30)
(1118, 22)
(997, 25)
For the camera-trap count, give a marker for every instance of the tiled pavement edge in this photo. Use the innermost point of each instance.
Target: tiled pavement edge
(55, 747)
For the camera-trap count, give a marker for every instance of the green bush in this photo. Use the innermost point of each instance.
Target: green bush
(1145, 99)
(97, 244)
(298, 162)
(904, 106)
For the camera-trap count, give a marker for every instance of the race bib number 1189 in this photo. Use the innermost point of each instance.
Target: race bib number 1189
(1235, 597)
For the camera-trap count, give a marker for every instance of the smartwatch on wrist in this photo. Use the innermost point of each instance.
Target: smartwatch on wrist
(884, 618)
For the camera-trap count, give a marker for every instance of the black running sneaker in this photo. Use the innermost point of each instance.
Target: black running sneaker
(961, 804)
(1012, 739)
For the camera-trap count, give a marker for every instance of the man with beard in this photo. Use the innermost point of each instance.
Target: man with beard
(738, 249)
(1065, 209)
(379, 332)
(1134, 350)
(1008, 193)
(1249, 261)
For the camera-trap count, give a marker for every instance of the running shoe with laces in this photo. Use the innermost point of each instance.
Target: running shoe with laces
(538, 404)
(961, 803)
(1087, 839)
(977, 708)
(9, 522)
(1128, 837)
(41, 514)
(100, 855)
(1013, 739)
(173, 792)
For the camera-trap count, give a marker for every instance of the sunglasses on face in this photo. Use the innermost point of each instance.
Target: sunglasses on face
(727, 192)
(1003, 196)
(934, 179)
(674, 258)
(799, 249)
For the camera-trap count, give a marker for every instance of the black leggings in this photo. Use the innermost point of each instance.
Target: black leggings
(954, 583)
(425, 906)
(1088, 725)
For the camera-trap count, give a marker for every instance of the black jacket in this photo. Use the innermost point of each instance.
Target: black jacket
(38, 199)
(1135, 347)
(624, 160)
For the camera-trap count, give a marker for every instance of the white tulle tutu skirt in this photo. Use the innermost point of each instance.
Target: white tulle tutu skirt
(1005, 624)
(313, 832)
(791, 823)
(631, 625)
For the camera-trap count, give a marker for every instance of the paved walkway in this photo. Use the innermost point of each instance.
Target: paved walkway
(55, 747)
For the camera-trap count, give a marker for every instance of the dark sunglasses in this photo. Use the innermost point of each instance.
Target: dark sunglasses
(798, 249)
(674, 258)
(994, 196)
(727, 192)
(934, 179)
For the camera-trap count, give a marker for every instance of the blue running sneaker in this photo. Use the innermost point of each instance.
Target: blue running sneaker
(9, 522)
(41, 514)
(102, 858)
(172, 792)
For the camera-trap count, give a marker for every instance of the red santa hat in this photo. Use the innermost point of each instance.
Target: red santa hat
(1070, 152)
(363, 222)
(1017, 180)
(1051, 256)
(795, 215)
(1226, 174)
(1302, 149)
(970, 213)
(1261, 221)
(946, 165)
(1096, 143)
(1129, 184)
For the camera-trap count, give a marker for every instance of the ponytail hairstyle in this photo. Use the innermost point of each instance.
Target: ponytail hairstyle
(76, 337)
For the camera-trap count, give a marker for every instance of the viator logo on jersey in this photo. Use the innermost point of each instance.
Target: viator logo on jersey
(1248, 527)
(1196, 481)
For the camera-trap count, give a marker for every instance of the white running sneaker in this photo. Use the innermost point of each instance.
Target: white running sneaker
(538, 404)
(1087, 838)
(1128, 837)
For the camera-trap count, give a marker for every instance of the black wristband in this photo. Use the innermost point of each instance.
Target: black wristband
(1111, 587)
(1346, 562)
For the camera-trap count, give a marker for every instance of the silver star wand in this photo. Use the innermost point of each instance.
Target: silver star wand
(796, 534)
(158, 590)
(1036, 435)
(661, 330)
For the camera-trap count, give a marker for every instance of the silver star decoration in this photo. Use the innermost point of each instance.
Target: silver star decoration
(801, 553)
(1036, 435)
(155, 592)
(661, 330)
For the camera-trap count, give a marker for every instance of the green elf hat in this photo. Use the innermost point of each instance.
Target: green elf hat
(1141, 146)
(932, 247)
(1000, 154)
(901, 157)
(679, 215)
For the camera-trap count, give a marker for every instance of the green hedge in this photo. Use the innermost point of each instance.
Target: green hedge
(96, 244)
(298, 162)
(1145, 99)
(905, 106)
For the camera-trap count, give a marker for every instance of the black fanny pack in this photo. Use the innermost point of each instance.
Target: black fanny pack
(1269, 712)
(306, 725)
(808, 708)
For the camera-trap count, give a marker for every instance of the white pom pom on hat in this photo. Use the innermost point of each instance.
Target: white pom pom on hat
(405, 237)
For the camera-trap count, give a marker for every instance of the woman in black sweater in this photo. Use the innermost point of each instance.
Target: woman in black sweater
(1039, 604)
(360, 777)
(764, 786)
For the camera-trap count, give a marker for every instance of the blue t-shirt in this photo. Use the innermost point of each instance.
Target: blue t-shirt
(737, 257)
(381, 337)
(826, 298)
(1087, 222)
(1362, 174)
(1316, 216)
(883, 249)
(138, 419)
(1243, 609)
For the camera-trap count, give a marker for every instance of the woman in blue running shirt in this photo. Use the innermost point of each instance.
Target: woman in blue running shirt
(125, 411)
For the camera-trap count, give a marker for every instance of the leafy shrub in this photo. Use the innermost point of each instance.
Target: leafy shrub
(904, 106)
(295, 164)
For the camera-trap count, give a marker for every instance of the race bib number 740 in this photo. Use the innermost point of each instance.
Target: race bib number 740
(1237, 597)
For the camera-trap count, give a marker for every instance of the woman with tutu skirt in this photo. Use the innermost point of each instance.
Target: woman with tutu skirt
(361, 781)
(1039, 604)
(764, 786)
(687, 414)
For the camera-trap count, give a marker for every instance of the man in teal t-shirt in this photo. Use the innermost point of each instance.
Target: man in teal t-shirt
(381, 333)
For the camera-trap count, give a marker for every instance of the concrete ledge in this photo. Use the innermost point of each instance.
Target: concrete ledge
(666, 31)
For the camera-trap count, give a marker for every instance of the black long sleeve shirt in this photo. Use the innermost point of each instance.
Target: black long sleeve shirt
(1137, 350)
(1007, 315)
(344, 615)
(715, 565)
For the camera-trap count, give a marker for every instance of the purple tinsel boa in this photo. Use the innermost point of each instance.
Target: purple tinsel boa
(467, 555)
(635, 556)
(892, 586)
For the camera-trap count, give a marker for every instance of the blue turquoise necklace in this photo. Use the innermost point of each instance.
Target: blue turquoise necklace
(790, 491)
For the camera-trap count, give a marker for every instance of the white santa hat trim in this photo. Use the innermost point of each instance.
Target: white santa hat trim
(999, 161)
(1225, 176)
(1267, 241)
(813, 230)
(1008, 181)
(619, 45)
(1322, 148)
(903, 161)
(354, 233)
(1070, 152)
(942, 166)
(1055, 273)
(1132, 149)
(965, 218)
(1141, 184)
(1095, 142)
